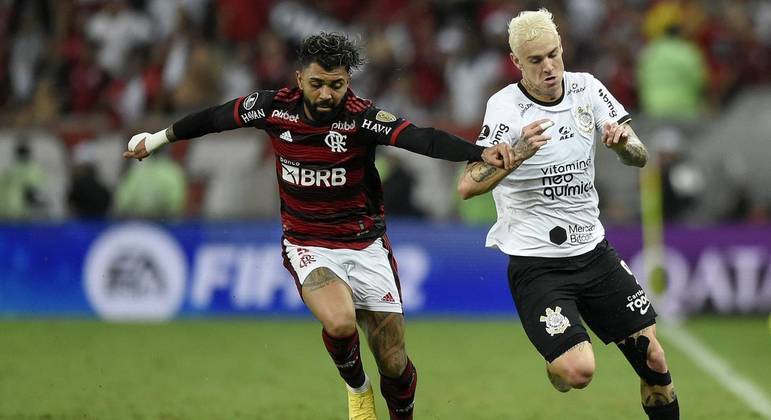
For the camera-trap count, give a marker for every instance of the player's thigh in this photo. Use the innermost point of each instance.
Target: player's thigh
(373, 278)
(547, 309)
(322, 281)
(614, 305)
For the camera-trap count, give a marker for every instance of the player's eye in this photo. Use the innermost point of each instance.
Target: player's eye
(337, 85)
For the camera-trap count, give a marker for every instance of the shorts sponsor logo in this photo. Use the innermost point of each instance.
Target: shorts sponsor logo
(280, 113)
(612, 113)
(385, 116)
(638, 302)
(558, 179)
(293, 173)
(556, 323)
(376, 127)
(135, 271)
(251, 100)
(250, 116)
(388, 298)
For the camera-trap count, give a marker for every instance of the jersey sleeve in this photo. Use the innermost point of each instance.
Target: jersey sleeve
(241, 112)
(381, 127)
(606, 108)
(498, 126)
(252, 110)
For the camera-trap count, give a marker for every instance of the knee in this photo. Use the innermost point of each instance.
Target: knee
(579, 376)
(576, 375)
(656, 360)
(340, 325)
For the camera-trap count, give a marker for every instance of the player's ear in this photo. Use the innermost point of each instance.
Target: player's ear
(299, 76)
(515, 60)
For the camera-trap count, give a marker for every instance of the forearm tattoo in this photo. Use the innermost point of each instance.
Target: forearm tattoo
(633, 153)
(480, 171)
(319, 278)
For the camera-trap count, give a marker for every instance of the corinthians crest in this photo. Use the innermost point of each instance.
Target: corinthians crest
(556, 323)
(584, 118)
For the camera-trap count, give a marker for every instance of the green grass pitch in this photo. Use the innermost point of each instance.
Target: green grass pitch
(270, 369)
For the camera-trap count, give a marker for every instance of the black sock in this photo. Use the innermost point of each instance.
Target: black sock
(669, 411)
(399, 392)
(345, 354)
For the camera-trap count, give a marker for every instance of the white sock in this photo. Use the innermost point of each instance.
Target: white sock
(363, 388)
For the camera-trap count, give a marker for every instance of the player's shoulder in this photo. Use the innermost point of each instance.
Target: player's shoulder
(503, 104)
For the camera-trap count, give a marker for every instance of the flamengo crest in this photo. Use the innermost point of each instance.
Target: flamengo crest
(336, 142)
(556, 323)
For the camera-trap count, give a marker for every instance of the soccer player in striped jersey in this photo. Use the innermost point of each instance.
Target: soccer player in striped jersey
(561, 268)
(334, 233)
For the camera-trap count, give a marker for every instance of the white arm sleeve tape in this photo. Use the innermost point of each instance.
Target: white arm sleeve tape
(152, 141)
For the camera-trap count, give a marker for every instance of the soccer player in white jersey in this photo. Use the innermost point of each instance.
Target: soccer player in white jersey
(561, 268)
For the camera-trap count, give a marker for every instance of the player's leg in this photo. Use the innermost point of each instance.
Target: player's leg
(543, 290)
(377, 298)
(572, 369)
(616, 308)
(398, 376)
(645, 354)
(319, 276)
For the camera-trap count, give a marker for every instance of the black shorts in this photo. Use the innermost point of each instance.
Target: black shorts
(553, 294)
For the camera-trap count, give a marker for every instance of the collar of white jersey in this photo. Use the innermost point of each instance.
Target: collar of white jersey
(540, 102)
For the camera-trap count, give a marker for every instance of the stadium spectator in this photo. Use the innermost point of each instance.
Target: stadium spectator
(21, 186)
(88, 197)
(155, 189)
(334, 244)
(671, 76)
(561, 267)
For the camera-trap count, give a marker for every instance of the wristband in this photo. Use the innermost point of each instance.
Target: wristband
(152, 141)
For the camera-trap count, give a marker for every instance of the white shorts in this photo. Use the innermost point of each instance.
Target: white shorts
(368, 272)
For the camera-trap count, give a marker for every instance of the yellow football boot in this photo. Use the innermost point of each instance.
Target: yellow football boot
(361, 406)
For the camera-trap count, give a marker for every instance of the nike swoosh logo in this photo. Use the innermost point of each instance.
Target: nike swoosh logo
(644, 310)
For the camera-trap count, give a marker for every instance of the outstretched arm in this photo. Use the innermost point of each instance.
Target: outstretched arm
(479, 177)
(442, 145)
(624, 141)
(210, 120)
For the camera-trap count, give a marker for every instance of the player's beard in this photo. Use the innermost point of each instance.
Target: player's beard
(323, 116)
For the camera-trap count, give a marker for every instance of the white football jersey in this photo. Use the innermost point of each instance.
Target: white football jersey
(547, 207)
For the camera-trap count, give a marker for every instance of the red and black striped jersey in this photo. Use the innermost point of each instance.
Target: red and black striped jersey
(331, 194)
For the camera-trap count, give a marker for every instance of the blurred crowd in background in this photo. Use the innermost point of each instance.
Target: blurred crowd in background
(79, 77)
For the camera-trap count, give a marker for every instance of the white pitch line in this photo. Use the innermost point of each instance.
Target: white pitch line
(718, 368)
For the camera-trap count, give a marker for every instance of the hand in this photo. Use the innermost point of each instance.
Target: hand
(531, 140)
(498, 156)
(615, 136)
(138, 151)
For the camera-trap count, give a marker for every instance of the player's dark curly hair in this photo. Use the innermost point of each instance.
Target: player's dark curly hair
(330, 50)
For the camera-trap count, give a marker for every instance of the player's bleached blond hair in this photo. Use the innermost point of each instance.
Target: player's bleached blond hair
(529, 25)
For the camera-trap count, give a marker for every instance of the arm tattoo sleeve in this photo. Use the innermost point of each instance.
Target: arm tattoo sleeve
(480, 171)
(634, 152)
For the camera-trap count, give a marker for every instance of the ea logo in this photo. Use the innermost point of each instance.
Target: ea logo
(135, 272)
